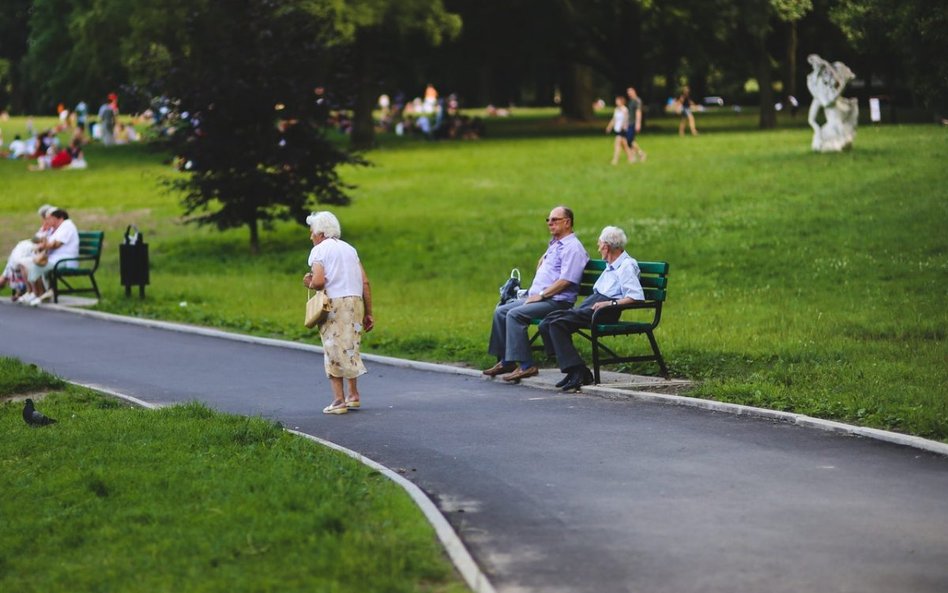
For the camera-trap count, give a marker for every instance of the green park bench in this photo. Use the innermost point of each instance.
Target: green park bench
(654, 279)
(90, 250)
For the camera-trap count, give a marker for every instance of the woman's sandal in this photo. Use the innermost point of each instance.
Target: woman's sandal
(336, 408)
(353, 404)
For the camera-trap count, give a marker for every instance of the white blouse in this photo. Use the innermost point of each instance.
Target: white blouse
(341, 264)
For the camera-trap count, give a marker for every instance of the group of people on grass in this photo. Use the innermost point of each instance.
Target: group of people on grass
(31, 260)
(335, 267)
(46, 149)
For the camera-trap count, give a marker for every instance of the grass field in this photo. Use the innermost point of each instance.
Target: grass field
(801, 282)
(115, 498)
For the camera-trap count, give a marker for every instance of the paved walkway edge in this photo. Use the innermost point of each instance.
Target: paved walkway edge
(599, 390)
(460, 557)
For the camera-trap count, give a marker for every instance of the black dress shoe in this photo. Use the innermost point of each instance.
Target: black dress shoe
(588, 378)
(564, 380)
(575, 381)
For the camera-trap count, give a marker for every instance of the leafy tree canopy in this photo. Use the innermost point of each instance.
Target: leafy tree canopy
(250, 134)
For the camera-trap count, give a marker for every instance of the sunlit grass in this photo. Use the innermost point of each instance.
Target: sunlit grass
(115, 498)
(804, 282)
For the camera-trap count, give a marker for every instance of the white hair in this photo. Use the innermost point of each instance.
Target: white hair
(614, 237)
(325, 224)
(45, 210)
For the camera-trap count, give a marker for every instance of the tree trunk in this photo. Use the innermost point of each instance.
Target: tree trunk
(768, 115)
(254, 227)
(577, 92)
(362, 136)
(790, 83)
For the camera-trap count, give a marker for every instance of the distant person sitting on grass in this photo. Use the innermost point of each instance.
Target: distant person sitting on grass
(61, 158)
(618, 285)
(18, 148)
(555, 287)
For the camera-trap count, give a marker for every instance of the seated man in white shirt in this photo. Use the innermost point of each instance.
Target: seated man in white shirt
(61, 244)
(618, 285)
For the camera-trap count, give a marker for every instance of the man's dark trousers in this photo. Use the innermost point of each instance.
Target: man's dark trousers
(558, 327)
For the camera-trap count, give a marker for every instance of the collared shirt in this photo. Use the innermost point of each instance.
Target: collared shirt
(621, 279)
(564, 260)
(68, 235)
(340, 263)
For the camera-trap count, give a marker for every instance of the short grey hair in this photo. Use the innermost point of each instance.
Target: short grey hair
(324, 223)
(614, 237)
(45, 210)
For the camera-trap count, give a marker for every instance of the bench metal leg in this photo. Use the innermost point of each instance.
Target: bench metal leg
(595, 351)
(658, 354)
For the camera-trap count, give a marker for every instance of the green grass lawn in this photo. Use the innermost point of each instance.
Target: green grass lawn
(116, 498)
(801, 282)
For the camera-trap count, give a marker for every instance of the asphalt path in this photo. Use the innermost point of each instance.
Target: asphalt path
(564, 493)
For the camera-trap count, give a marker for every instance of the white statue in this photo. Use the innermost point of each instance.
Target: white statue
(826, 84)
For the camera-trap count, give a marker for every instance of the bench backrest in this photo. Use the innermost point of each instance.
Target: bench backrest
(90, 243)
(652, 274)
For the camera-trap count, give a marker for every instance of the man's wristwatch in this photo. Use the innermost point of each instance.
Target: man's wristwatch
(542, 295)
(614, 302)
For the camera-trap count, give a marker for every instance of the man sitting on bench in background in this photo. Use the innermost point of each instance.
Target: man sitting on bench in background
(555, 287)
(618, 284)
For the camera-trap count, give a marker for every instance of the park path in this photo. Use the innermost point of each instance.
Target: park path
(564, 493)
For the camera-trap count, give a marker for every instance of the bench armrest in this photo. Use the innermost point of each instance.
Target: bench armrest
(626, 307)
(63, 261)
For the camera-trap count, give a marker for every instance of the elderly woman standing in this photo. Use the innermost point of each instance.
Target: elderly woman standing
(337, 270)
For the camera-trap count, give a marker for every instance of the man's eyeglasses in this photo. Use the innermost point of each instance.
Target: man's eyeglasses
(554, 219)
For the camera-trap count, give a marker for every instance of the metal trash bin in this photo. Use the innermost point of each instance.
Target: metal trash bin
(133, 261)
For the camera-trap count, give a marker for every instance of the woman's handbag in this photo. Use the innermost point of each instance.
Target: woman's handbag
(317, 309)
(508, 292)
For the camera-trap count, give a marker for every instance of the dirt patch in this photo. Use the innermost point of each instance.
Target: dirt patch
(20, 397)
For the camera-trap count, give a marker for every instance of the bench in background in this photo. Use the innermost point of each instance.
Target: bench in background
(90, 250)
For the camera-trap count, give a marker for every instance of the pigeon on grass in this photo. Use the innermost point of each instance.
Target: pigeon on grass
(34, 417)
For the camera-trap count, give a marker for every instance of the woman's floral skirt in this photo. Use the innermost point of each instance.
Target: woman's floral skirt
(341, 335)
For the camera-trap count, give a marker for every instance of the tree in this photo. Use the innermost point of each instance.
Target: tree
(915, 32)
(13, 47)
(75, 50)
(753, 32)
(374, 30)
(250, 138)
(790, 12)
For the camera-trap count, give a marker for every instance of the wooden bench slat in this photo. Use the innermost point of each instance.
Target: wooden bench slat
(653, 267)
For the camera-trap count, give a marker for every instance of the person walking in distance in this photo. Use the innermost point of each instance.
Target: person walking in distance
(634, 105)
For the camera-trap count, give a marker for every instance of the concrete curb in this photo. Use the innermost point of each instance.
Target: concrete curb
(598, 390)
(459, 555)
(450, 541)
